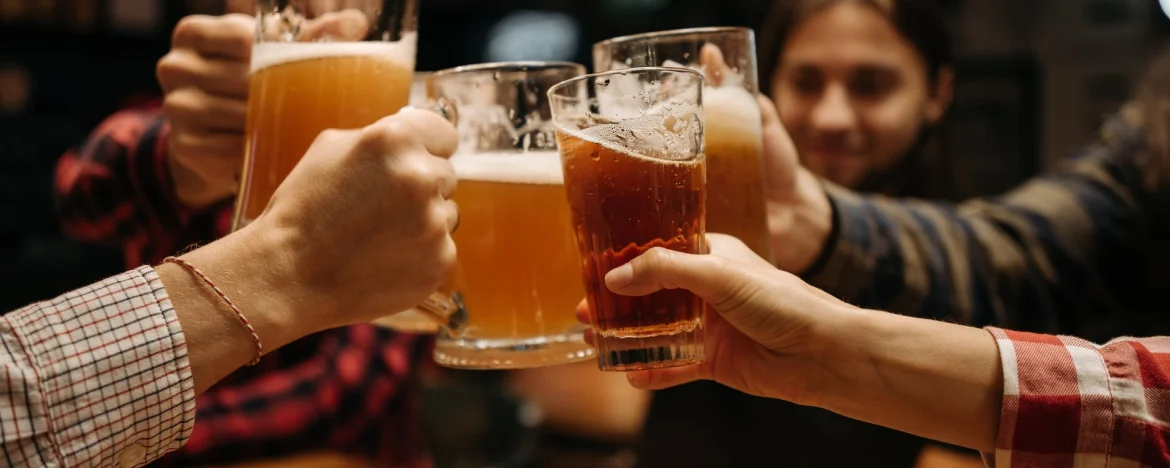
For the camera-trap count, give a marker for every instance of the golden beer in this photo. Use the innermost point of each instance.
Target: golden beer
(518, 270)
(302, 88)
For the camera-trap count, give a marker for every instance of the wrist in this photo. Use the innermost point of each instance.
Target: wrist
(800, 223)
(253, 268)
(934, 379)
(833, 353)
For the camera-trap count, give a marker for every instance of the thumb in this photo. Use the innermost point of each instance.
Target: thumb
(658, 379)
(707, 276)
(711, 59)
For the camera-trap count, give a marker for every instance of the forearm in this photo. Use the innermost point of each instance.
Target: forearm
(937, 380)
(217, 342)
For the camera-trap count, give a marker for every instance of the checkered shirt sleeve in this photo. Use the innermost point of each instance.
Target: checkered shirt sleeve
(1069, 402)
(96, 377)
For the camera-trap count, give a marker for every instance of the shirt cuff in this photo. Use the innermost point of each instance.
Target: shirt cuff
(1057, 402)
(111, 362)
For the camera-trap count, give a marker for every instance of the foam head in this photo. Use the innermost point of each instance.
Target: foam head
(535, 168)
(269, 54)
(731, 114)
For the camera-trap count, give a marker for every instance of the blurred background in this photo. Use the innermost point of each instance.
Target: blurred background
(1035, 77)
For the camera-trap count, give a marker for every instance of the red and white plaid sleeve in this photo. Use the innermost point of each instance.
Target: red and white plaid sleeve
(1069, 402)
(96, 377)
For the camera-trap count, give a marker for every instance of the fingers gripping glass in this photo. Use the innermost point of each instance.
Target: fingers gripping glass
(315, 66)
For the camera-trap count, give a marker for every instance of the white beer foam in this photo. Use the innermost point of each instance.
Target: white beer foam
(610, 136)
(268, 54)
(535, 168)
(731, 113)
(730, 106)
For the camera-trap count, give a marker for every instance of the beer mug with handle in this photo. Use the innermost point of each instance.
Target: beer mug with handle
(518, 270)
(735, 166)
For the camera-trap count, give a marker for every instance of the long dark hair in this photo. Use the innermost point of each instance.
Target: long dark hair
(922, 172)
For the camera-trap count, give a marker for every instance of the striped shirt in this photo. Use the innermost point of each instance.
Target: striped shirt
(1084, 250)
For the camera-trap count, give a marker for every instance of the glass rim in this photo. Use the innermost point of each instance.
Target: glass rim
(623, 71)
(670, 33)
(512, 66)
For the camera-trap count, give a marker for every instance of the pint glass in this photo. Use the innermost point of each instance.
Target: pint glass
(735, 168)
(631, 144)
(518, 271)
(318, 65)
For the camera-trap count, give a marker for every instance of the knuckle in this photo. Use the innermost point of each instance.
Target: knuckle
(420, 174)
(190, 28)
(381, 137)
(659, 258)
(167, 69)
(180, 103)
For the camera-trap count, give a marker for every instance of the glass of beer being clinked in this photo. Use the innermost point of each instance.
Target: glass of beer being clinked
(518, 270)
(631, 144)
(735, 168)
(316, 66)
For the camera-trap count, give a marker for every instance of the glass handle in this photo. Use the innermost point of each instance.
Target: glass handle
(447, 310)
(443, 107)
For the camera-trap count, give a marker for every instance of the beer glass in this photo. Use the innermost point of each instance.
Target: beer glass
(518, 270)
(735, 173)
(319, 65)
(631, 144)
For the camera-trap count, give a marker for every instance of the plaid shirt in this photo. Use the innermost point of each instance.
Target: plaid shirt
(349, 390)
(1068, 402)
(95, 377)
(1083, 251)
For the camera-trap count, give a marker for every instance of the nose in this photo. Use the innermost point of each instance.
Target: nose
(833, 112)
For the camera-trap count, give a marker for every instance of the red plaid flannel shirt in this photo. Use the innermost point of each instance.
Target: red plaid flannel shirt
(1068, 402)
(350, 390)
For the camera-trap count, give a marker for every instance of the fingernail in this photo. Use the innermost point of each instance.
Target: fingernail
(620, 276)
(636, 379)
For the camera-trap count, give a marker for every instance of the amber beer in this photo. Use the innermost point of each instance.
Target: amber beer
(299, 89)
(624, 204)
(735, 172)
